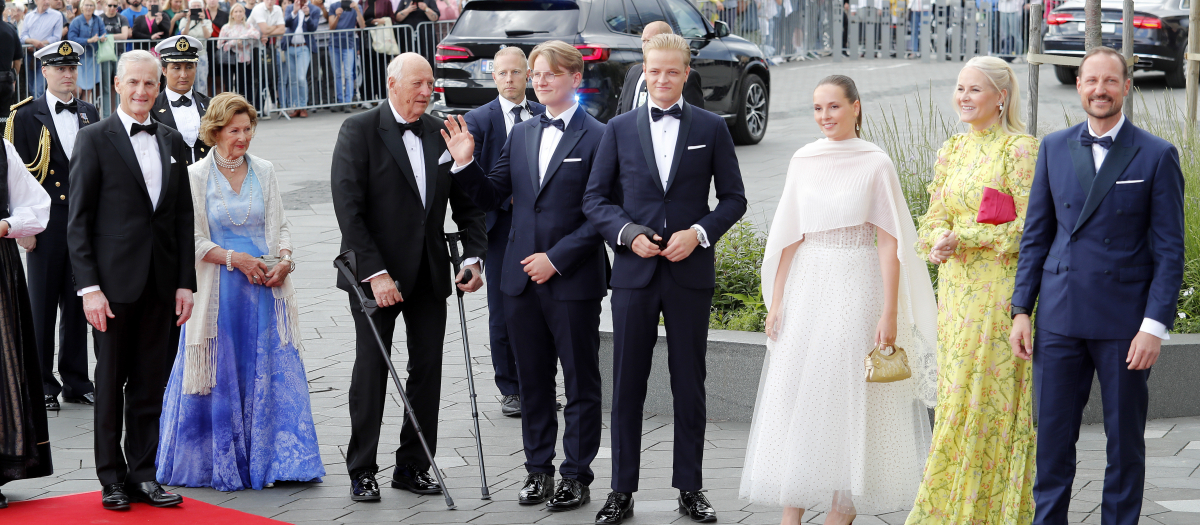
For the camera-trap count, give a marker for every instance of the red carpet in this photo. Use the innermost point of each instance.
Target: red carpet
(85, 508)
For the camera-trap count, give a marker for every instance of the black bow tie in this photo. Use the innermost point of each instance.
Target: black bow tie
(72, 106)
(1087, 140)
(182, 101)
(414, 126)
(558, 123)
(658, 114)
(150, 128)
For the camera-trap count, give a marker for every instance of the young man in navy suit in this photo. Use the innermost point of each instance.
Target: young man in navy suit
(490, 125)
(648, 197)
(553, 271)
(1102, 257)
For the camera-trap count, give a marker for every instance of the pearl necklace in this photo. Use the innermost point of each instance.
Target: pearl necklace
(226, 163)
(225, 203)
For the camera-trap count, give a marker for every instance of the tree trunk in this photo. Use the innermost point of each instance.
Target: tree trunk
(1091, 24)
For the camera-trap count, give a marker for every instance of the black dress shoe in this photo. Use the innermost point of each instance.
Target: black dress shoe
(618, 507)
(151, 492)
(570, 495)
(511, 406)
(113, 497)
(538, 488)
(696, 506)
(86, 399)
(408, 478)
(363, 487)
(52, 403)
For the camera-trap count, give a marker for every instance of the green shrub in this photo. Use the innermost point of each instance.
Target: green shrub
(737, 300)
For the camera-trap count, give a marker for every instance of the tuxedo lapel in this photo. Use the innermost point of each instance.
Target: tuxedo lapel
(164, 153)
(162, 111)
(570, 138)
(1118, 158)
(44, 116)
(120, 141)
(497, 118)
(429, 144)
(201, 103)
(643, 127)
(1085, 166)
(533, 144)
(685, 125)
(393, 140)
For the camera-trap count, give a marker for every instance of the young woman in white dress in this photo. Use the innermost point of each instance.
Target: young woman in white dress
(840, 278)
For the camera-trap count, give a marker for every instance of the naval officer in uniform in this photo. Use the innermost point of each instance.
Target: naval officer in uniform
(180, 106)
(43, 133)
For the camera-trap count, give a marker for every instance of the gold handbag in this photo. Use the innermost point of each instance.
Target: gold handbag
(887, 367)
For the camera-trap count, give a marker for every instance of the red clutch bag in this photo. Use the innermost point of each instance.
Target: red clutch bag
(996, 207)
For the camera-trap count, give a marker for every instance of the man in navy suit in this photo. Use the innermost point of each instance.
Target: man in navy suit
(1102, 256)
(652, 183)
(544, 170)
(490, 125)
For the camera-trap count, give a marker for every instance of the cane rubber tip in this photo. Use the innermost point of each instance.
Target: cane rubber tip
(486, 496)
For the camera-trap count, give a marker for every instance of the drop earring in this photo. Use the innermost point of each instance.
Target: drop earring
(1002, 107)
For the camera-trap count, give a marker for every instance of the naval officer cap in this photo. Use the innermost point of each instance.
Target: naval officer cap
(180, 48)
(61, 53)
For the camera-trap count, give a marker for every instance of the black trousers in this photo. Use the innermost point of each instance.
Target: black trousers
(50, 289)
(424, 313)
(131, 376)
(503, 362)
(544, 331)
(635, 331)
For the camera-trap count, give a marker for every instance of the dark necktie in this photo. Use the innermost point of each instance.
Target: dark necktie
(150, 128)
(72, 106)
(1088, 140)
(414, 127)
(182, 101)
(558, 123)
(517, 114)
(658, 114)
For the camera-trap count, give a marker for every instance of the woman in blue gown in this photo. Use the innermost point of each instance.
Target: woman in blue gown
(236, 414)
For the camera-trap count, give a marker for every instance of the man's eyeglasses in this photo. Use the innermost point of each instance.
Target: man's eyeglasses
(548, 76)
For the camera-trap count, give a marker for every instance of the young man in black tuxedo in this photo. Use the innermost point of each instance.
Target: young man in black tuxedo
(490, 125)
(543, 170)
(131, 241)
(635, 92)
(391, 183)
(178, 105)
(43, 131)
(654, 174)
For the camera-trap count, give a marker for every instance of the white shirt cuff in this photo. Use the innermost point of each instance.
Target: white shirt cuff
(469, 261)
(88, 290)
(457, 168)
(703, 237)
(376, 274)
(552, 265)
(619, 243)
(1155, 329)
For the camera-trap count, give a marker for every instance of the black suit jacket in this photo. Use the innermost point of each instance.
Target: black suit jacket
(691, 89)
(28, 121)
(379, 208)
(162, 113)
(139, 31)
(114, 233)
(486, 124)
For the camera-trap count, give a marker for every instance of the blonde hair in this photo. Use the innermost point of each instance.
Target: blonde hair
(1003, 79)
(669, 42)
(561, 56)
(510, 50)
(221, 110)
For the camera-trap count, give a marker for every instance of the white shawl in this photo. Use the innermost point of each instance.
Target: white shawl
(200, 368)
(840, 184)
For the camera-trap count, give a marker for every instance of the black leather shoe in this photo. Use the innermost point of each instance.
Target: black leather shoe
(511, 406)
(52, 403)
(538, 488)
(618, 507)
(151, 492)
(113, 497)
(363, 487)
(696, 506)
(86, 399)
(408, 478)
(3, 501)
(570, 495)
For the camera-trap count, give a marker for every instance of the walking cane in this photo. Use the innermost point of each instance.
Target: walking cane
(348, 266)
(452, 240)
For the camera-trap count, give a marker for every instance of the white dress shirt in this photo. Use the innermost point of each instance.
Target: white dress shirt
(297, 35)
(66, 124)
(29, 202)
(187, 118)
(551, 136)
(639, 96)
(1099, 153)
(507, 108)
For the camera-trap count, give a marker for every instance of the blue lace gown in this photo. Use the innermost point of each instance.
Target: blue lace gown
(256, 426)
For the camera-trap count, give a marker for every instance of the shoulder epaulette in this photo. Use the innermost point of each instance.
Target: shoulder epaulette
(19, 104)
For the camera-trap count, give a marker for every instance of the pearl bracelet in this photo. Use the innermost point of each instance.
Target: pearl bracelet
(229, 260)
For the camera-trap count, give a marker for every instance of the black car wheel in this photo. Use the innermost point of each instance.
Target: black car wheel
(1177, 76)
(1065, 74)
(751, 124)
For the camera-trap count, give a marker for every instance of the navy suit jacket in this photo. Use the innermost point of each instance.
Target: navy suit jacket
(1098, 262)
(486, 124)
(625, 187)
(547, 218)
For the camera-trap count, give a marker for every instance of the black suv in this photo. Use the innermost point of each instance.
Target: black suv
(733, 72)
(1160, 35)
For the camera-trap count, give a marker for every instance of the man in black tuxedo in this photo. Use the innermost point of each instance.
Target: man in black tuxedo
(654, 175)
(43, 132)
(490, 125)
(179, 106)
(634, 92)
(543, 170)
(391, 183)
(131, 241)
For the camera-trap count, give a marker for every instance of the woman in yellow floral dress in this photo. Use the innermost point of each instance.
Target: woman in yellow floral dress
(981, 464)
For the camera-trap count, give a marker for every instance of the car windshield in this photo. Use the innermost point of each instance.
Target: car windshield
(517, 19)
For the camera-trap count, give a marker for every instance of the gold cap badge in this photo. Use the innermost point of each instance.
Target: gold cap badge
(182, 44)
(65, 49)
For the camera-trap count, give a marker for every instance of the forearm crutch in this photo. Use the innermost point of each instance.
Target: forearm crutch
(348, 266)
(452, 240)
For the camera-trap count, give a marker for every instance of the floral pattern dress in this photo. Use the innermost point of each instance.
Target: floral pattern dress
(981, 464)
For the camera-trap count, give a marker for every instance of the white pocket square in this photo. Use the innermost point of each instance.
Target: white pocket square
(572, 160)
(1130, 181)
(697, 147)
(172, 160)
(446, 157)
